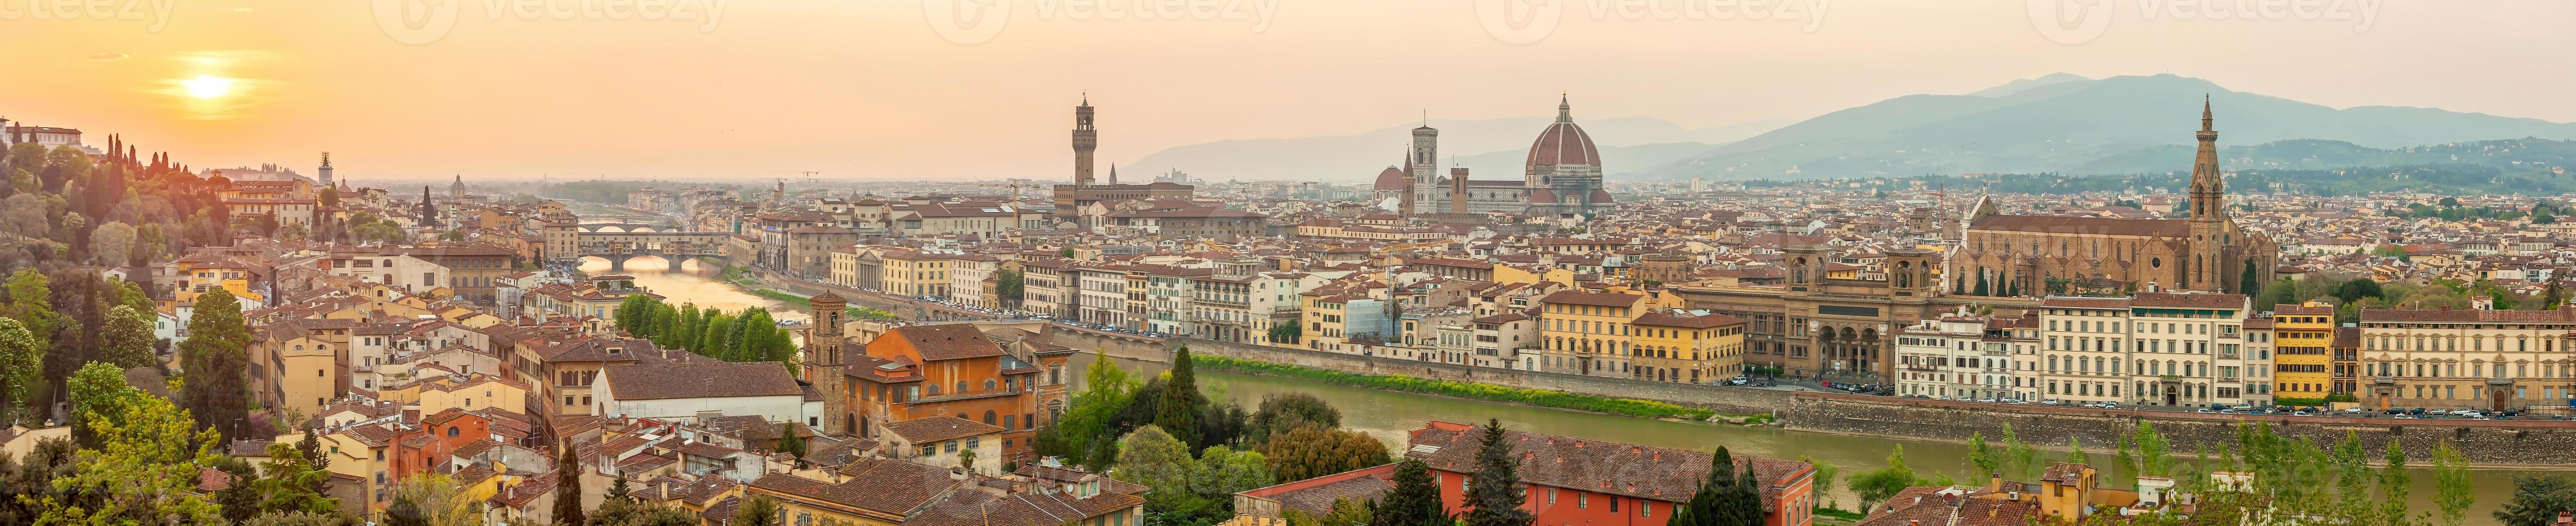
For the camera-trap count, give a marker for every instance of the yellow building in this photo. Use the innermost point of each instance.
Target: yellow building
(1589, 333)
(915, 273)
(2301, 335)
(480, 392)
(1676, 346)
(360, 452)
(1533, 274)
(200, 274)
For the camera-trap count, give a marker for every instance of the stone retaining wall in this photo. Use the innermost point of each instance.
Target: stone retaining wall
(2485, 442)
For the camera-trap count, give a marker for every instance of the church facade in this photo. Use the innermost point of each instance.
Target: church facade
(2027, 255)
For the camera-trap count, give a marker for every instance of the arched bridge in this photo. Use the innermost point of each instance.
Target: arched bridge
(617, 247)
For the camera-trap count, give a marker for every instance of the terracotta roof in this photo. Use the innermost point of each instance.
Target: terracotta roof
(947, 342)
(938, 428)
(1605, 299)
(879, 485)
(2189, 301)
(705, 379)
(2168, 228)
(1669, 475)
(1684, 320)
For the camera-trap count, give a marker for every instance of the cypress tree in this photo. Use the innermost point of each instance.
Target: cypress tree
(1982, 289)
(1415, 500)
(1497, 492)
(1178, 411)
(568, 487)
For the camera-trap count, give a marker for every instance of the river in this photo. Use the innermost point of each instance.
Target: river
(1389, 415)
(697, 282)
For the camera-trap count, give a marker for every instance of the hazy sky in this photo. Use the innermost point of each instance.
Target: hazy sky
(875, 88)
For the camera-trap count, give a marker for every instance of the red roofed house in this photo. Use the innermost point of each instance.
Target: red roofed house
(1574, 481)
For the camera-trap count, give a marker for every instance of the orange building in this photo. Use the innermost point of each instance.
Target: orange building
(933, 370)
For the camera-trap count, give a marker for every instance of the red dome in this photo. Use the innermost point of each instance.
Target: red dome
(1391, 180)
(1564, 143)
(1600, 196)
(1543, 196)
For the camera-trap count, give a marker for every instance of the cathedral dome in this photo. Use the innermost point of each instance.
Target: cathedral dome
(1563, 144)
(1543, 196)
(1600, 196)
(1391, 180)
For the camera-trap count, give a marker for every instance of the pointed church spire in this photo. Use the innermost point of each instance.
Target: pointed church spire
(2204, 113)
(1113, 173)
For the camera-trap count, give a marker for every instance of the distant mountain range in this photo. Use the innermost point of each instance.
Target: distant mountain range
(1489, 149)
(2074, 125)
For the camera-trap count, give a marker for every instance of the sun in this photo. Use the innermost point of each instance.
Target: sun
(206, 87)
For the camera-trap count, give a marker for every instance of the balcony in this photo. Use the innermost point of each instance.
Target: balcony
(2385, 380)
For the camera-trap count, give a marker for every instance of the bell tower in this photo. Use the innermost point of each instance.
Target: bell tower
(823, 361)
(1085, 139)
(2205, 268)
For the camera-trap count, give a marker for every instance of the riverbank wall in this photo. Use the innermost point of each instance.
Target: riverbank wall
(2485, 442)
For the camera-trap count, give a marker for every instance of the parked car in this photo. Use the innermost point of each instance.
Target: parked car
(2051, 401)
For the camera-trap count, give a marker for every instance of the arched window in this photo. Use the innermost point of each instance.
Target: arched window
(989, 417)
(988, 384)
(451, 431)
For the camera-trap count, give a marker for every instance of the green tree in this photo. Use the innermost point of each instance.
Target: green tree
(1178, 412)
(1153, 458)
(789, 443)
(1982, 287)
(759, 511)
(2536, 501)
(2394, 484)
(2250, 282)
(1495, 498)
(1010, 284)
(217, 349)
(1082, 432)
(98, 391)
(627, 512)
(21, 360)
(1224, 471)
(1414, 501)
(299, 518)
(1826, 472)
(2155, 455)
(568, 486)
(144, 471)
(1283, 413)
(126, 341)
(438, 501)
(1314, 451)
(292, 483)
(1983, 456)
(1287, 332)
(1877, 486)
(2451, 492)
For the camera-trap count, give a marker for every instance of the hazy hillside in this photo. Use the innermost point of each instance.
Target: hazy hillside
(1490, 148)
(2068, 124)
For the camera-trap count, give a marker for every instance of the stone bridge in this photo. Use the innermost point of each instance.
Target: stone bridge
(620, 245)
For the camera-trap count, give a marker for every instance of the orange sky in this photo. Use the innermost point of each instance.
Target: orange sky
(872, 88)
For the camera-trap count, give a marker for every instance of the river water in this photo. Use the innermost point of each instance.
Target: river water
(1389, 415)
(696, 282)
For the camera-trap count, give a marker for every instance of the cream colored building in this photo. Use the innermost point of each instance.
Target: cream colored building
(2467, 359)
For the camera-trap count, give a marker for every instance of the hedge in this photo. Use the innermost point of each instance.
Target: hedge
(1536, 397)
